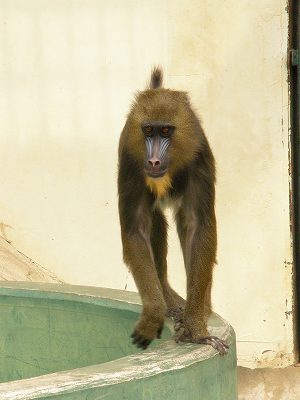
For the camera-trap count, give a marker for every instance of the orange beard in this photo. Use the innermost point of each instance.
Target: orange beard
(159, 186)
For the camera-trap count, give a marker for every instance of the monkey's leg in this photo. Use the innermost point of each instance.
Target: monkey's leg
(199, 248)
(139, 257)
(175, 303)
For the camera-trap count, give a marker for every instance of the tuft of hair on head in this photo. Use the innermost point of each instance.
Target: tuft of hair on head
(156, 78)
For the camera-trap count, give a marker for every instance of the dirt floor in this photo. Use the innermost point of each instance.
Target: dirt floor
(267, 383)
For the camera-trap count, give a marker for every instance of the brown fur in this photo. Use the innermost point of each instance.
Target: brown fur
(188, 182)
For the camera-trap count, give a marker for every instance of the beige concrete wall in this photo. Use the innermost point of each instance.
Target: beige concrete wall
(68, 72)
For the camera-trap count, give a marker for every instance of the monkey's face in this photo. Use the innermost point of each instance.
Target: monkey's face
(157, 136)
(161, 133)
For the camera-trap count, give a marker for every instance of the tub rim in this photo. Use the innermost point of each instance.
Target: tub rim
(165, 357)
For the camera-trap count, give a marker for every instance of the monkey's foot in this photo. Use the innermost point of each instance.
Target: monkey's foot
(175, 303)
(145, 332)
(176, 313)
(183, 335)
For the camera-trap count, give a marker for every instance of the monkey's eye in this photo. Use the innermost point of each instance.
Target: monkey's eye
(148, 130)
(166, 131)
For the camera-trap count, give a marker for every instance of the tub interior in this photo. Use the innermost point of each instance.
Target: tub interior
(43, 335)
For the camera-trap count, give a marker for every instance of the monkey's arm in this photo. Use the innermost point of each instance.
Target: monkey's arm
(199, 247)
(196, 225)
(137, 256)
(135, 219)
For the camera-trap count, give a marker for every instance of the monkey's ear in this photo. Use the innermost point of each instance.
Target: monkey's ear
(156, 78)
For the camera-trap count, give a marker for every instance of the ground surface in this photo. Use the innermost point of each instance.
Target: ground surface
(267, 383)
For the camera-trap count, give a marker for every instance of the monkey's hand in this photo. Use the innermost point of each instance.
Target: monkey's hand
(182, 334)
(148, 328)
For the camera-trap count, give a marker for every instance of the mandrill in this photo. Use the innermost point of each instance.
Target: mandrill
(165, 158)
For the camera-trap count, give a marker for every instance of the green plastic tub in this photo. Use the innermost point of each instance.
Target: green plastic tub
(68, 342)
